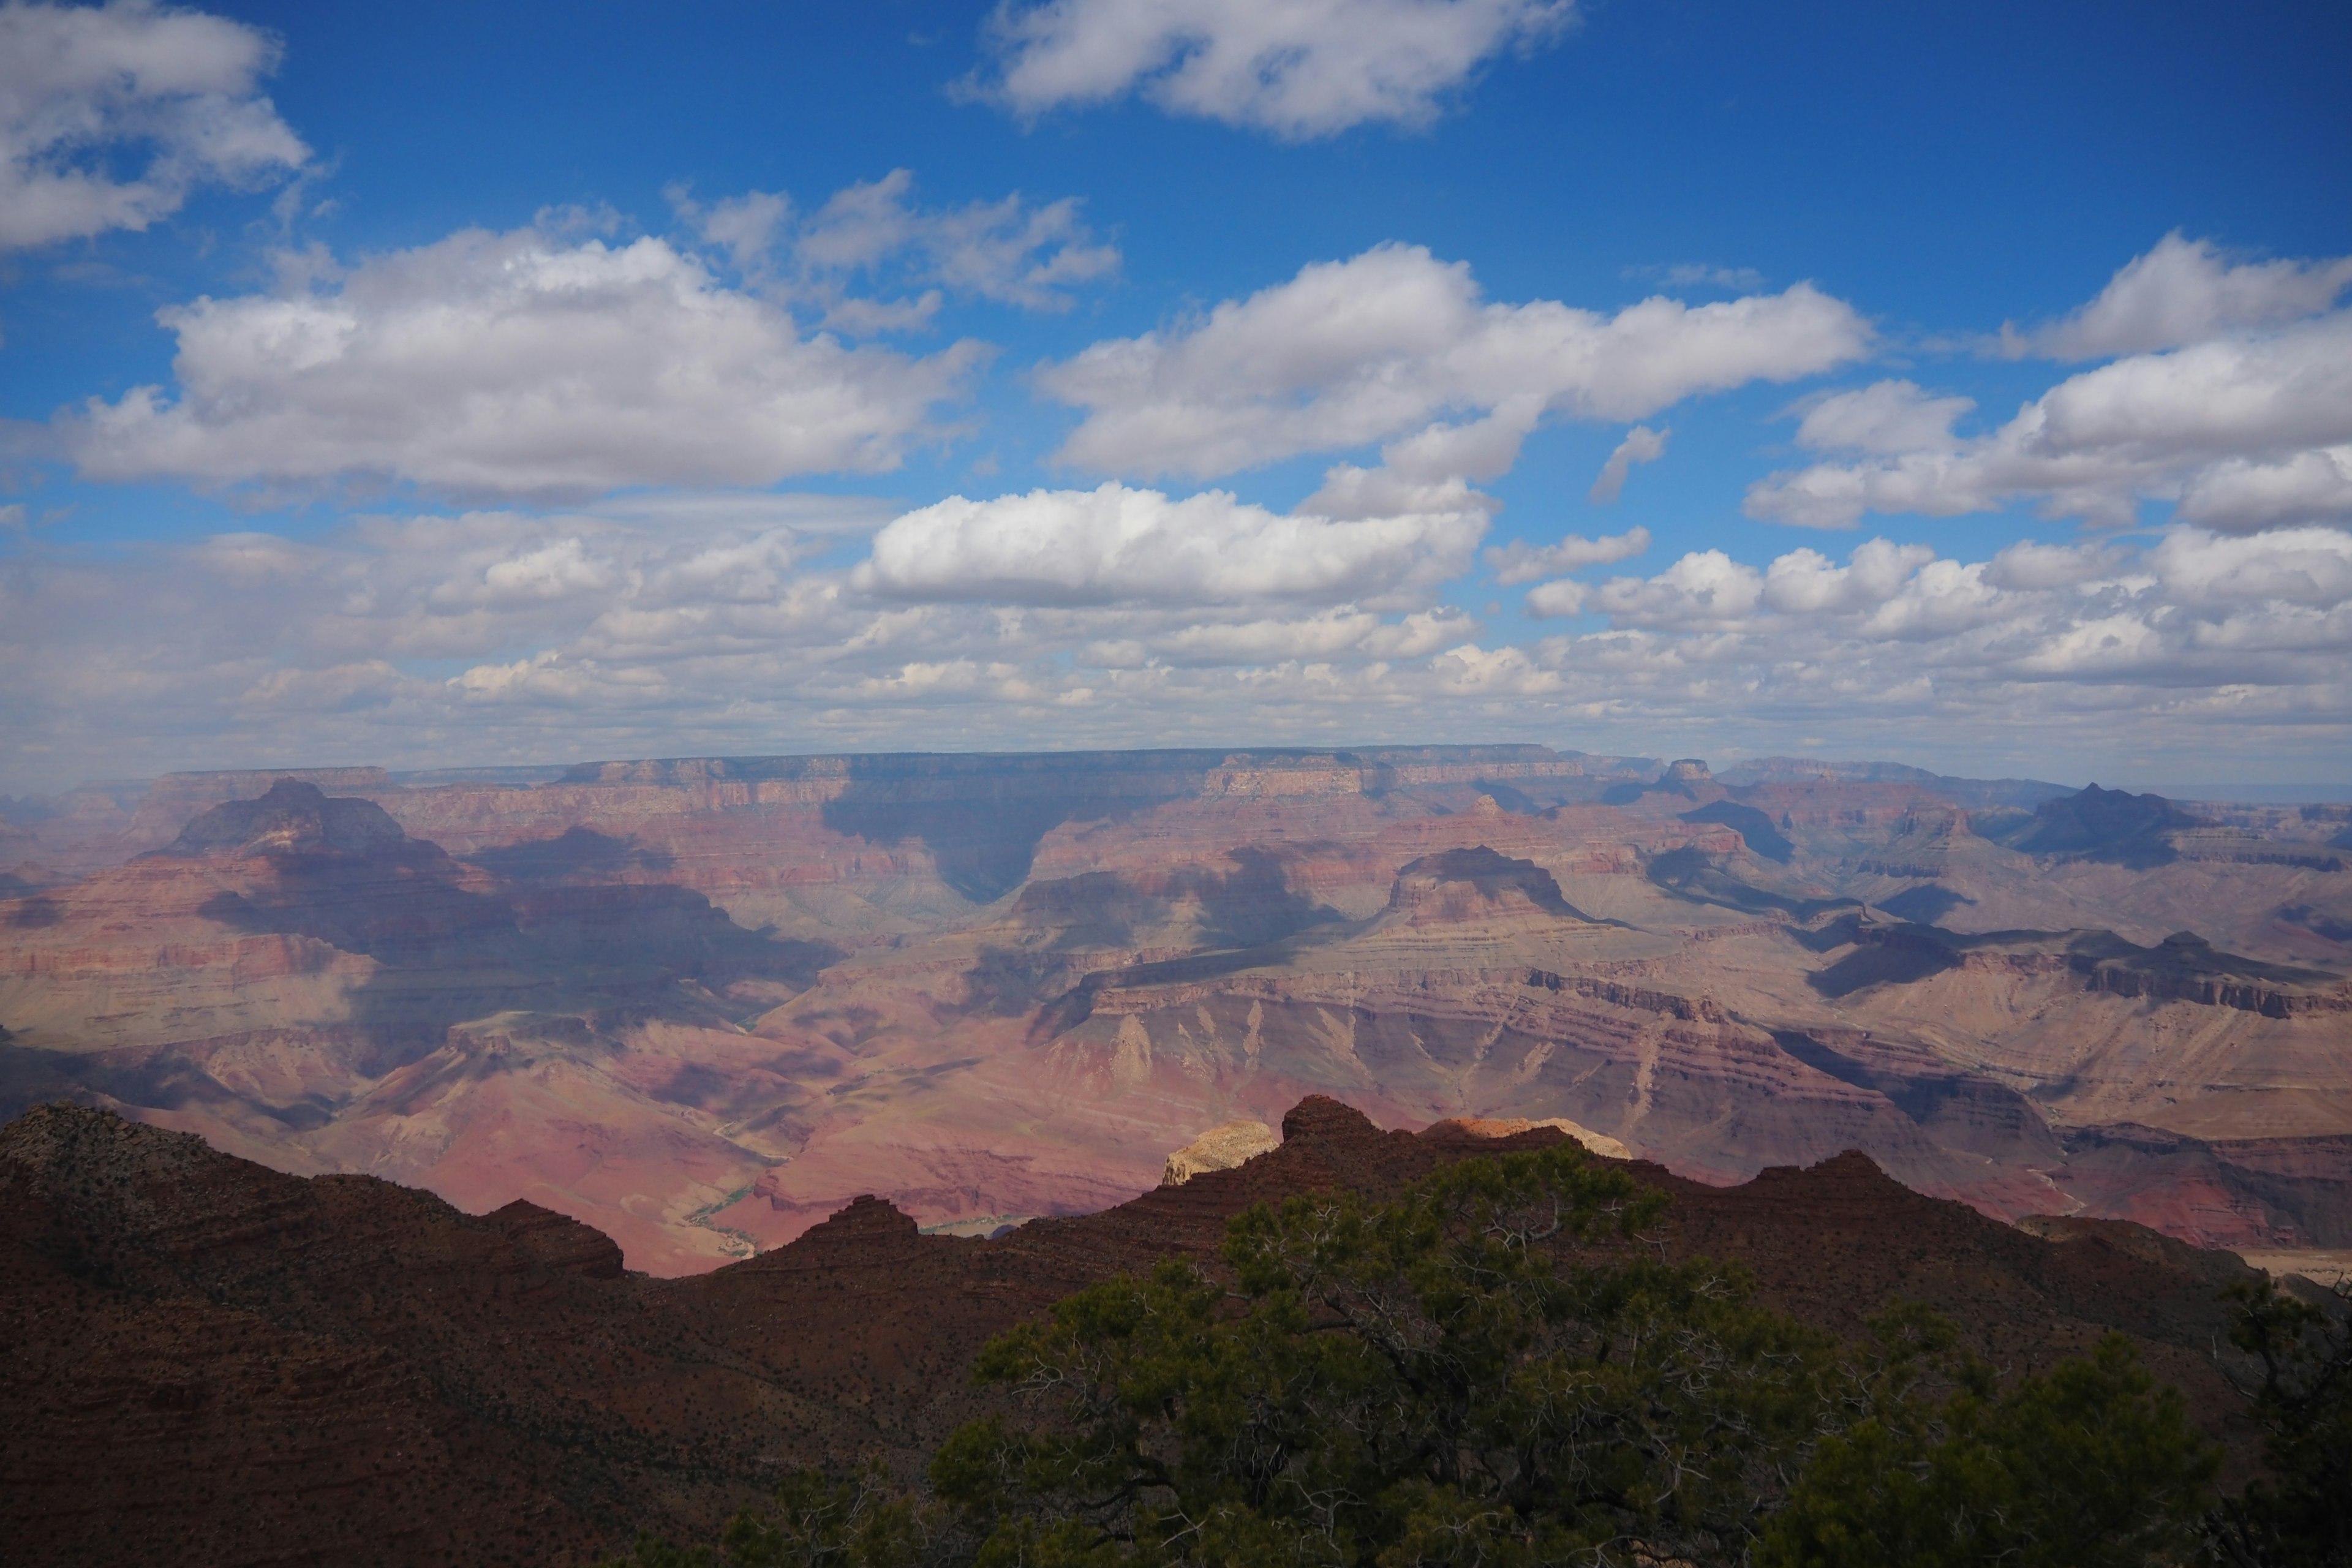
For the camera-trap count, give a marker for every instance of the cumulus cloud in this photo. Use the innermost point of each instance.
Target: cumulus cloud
(1519, 562)
(2029, 564)
(527, 363)
(1565, 597)
(1115, 544)
(1705, 590)
(1299, 69)
(2184, 291)
(1805, 582)
(2197, 609)
(726, 625)
(2306, 566)
(1640, 445)
(2254, 493)
(2244, 432)
(110, 115)
(1886, 417)
(1009, 250)
(1394, 343)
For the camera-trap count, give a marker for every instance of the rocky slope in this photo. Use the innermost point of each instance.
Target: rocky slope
(212, 1363)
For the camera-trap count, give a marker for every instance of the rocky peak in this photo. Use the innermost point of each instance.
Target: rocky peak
(558, 1241)
(292, 819)
(1599, 1144)
(864, 1219)
(1475, 884)
(1318, 1118)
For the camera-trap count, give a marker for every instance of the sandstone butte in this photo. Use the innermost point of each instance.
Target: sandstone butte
(213, 1362)
(699, 1005)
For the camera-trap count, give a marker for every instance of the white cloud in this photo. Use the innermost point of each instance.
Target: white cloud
(2185, 291)
(2252, 494)
(1705, 590)
(1394, 341)
(1330, 633)
(507, 364)
(1519, 562)
(2030, 566)
(1115, 544)
(1640, 445)
(716, 626)
(1007, 250)
(1885, 416)
(2308, 566)
(1804, 582)
(85, 90)
(1299, 69)
(2245, 432)
(1565, 597)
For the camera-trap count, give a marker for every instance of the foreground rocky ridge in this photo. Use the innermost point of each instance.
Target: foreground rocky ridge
(701, 1003)
(214, 1363)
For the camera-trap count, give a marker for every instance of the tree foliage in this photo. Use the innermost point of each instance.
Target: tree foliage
(2300, 1516)
(2091, 1465)
(1495, 1371)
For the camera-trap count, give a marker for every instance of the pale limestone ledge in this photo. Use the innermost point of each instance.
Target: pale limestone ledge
(1219, 1149)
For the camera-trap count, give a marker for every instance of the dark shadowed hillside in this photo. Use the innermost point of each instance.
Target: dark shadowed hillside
(212, 1363)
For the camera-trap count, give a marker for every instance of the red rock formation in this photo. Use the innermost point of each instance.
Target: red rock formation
(701, 1002)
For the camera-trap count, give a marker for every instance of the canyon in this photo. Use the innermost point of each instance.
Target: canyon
(702, 1004)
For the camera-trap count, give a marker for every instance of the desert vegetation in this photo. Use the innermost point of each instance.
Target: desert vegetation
(1497, 1368)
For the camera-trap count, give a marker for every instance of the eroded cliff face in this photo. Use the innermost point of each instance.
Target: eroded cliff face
(702, 1003)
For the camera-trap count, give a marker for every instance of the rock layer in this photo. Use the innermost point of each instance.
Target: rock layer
(702, 1003)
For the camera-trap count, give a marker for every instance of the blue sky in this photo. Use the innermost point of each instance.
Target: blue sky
(531, 402)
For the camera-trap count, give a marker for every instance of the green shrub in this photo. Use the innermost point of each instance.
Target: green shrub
(1498, 1371)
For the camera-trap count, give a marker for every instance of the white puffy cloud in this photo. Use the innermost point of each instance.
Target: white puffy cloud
(2198, 609)
(1115, 545)
(1705, 590)
(1640, 445)
(85, 90)
(1009, 250)
(1299, 69)
(2184, 291)
(1565, 597)
(2245, 432)
(1885, 416)
(2252, 493)
(1519, 562)
(2306, 566)
(510, 365)
(728, 625)
(2029, 564)
(1804, 582)
(1394, 343)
